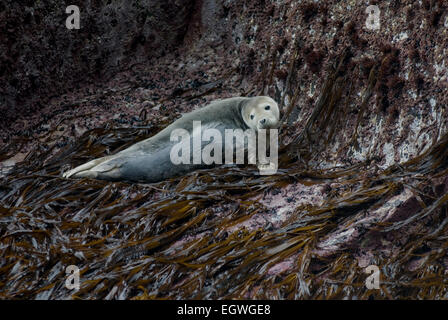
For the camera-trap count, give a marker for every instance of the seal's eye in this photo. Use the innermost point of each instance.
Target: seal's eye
(267, 107)
(252, 117)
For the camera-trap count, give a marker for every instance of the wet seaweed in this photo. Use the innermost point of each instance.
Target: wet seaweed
(191, 237)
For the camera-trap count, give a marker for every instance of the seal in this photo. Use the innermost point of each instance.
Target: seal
(149, 160)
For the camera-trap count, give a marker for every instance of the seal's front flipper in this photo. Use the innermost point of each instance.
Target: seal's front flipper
(268, 169)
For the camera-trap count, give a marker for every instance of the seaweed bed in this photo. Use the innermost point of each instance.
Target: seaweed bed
(187, 238)
(363, 161)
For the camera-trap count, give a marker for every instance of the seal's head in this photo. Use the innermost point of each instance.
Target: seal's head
(261, 113)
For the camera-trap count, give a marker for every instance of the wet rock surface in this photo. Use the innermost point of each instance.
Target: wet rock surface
(362, 179)
(41, 58)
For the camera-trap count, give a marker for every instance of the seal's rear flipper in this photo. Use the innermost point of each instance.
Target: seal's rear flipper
(81, 171)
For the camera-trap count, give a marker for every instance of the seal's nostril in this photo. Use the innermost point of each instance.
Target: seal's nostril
(263, 121)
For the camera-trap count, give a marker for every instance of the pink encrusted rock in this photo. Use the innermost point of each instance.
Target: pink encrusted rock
(283, 266)
(346, 235)
(279, 205)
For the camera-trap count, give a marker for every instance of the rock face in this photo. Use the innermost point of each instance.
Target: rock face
(364, 171)
(42, 58)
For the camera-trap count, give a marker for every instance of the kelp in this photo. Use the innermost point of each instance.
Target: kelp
(183, 238)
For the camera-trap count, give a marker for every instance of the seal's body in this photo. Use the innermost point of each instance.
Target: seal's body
(149, 160)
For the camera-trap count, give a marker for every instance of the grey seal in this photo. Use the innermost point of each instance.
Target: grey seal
(149, 160)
